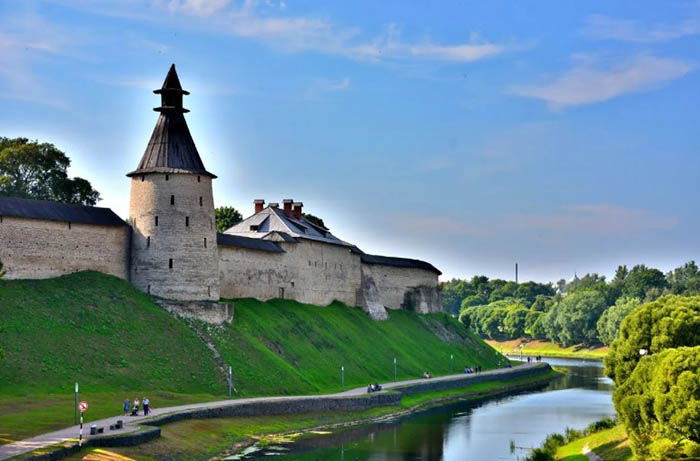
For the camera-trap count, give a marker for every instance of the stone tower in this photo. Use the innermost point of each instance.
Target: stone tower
(173, 248)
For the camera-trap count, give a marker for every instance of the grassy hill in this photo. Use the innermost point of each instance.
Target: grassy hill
(101, 332)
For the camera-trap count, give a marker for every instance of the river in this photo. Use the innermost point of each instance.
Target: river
(501, 428)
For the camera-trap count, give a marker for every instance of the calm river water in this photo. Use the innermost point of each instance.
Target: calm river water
(476, 431)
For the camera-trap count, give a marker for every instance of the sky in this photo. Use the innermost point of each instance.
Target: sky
(561, 135)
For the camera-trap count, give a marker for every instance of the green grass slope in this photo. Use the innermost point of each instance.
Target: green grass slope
(285, 347)
(99, 331)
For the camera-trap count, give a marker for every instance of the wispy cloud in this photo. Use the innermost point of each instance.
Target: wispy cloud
(588, 83)
(324, 86)
(627, 30)
(273, 23)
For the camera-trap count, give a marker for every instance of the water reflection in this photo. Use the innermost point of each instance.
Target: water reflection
(473, 430)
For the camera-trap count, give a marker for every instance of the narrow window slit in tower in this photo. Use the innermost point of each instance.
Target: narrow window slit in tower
(170, 263)
(172, 200)
(200, 201)
(69, 225)
(149, 289)
(167, 177)
(205, 242)
(156, 221)
(199, 179)
(187, 221)
(148, 242)
(143, 177)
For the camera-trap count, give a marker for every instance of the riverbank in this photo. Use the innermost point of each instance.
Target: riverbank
(246, 417)
(547, 349)
(113, 340)
(609, 445)
(218, 438)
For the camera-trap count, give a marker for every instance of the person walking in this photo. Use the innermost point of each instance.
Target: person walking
(127, 404)
(135, 408)
(146, 406)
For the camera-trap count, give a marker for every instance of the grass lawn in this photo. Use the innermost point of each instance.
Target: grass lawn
(547, 349)
(99, 331)
(610, 444)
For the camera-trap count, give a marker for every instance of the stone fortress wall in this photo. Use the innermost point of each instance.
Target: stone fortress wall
(404, 288)
(174, 240)
(36, 249)
(308, 272)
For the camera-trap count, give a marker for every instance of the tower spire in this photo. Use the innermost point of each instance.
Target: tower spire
(171, 93)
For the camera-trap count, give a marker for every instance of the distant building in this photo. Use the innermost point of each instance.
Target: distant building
(170, 248)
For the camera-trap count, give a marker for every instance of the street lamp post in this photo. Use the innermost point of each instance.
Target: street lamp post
(342, 378)
(452, 361)
(394, 369)
(75, 416)
(521, 352)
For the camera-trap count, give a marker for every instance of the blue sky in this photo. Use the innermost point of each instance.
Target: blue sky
(562, 135)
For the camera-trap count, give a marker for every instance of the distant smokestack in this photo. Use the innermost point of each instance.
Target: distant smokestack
(287, 203)
(259, 205)
(296, 209)
(516, 273)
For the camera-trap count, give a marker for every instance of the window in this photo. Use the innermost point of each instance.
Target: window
(69, 225)
(156, 221)
(292, 284)
(254, 228)
(148, 242)
(172, 200)
(281, 292)
(187, 221)
(0, 219)
(200, 201)
(170, 263)
(198, 179)
(149, 289)
(205, 242)
(143, 177)
(167, 177)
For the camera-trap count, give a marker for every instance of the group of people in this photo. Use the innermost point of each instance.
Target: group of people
(376, 387)
(132, 409)
(470, 370)
(537, 358)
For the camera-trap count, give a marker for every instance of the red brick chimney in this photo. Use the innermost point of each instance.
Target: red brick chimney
(259, 205)
(287, 203)
(296, 209)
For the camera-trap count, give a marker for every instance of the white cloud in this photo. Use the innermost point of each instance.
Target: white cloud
(323, 86)
(626, 30)
(587, 83)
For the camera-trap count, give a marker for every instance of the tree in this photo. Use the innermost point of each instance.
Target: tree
(659, 404)
(641, 280)
(576, 315)
(314, 220)
(514, 322)
(226, 217)
(36, 170)
(684, 280)
(668, 322)
(608, 325)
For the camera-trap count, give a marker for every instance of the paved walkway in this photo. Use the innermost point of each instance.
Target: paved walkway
(131, 422)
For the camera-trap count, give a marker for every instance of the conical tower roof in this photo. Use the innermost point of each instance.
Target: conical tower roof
(171, 148)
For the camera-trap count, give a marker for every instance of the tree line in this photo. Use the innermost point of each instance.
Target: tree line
(586, 310)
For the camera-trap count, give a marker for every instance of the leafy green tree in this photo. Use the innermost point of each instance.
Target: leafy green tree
(659, 404)
(504, 291)
(36, 170)
(474, 300)
(641, 280)
(514, 321)
(684, 280)
(314, 220)
(618, 281)
(608, 325)
(576, 316)
(542, 303)
(226, 217)
(534, 324)
(668, 322)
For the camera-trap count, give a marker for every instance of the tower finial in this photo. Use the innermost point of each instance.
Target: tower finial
(171, 93)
